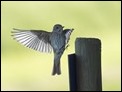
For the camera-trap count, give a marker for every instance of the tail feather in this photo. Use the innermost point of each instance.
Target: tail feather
(56, 68)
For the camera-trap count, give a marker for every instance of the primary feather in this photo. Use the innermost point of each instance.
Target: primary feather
(35, 39)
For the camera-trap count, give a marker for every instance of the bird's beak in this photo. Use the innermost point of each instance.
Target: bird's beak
(72, 29)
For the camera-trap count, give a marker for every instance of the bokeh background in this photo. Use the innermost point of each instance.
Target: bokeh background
(26, 69)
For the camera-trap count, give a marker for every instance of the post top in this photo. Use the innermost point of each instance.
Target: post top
(85, 39)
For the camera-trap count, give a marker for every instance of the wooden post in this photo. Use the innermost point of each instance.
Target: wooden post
(72, 72)
(88, 64)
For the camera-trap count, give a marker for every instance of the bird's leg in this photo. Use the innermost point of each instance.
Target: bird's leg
(63, 48)
(67, 46)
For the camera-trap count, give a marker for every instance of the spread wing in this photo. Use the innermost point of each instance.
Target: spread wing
(67, 33)
(34, 39)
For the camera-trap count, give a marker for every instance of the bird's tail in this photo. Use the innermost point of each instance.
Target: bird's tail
(56, 66)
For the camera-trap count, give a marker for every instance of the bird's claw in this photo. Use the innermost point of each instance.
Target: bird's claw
(67, 46)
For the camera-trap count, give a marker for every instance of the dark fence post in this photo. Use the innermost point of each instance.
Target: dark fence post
(72, 72)
(88, 64)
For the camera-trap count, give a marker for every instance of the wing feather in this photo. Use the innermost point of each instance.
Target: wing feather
(35, 39)
(67, 33)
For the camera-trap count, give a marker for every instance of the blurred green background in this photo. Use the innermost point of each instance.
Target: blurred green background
(26, 69)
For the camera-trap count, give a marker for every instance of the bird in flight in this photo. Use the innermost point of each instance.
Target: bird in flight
(43, 41)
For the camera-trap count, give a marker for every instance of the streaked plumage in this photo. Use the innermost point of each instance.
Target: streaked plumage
(44, 41)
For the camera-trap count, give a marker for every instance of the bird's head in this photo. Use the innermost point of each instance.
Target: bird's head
(58, 28)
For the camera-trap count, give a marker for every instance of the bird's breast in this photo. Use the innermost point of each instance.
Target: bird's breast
(57, 40)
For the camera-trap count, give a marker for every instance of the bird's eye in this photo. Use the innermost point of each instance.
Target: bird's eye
(56, 27)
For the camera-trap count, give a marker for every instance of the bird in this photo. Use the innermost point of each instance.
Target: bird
(44, 41)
